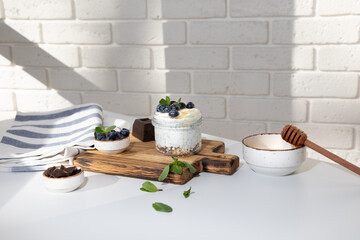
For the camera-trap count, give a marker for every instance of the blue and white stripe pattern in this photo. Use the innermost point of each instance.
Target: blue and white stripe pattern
(38, 139)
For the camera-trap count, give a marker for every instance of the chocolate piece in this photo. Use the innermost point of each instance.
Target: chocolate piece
(62, 171)
(143, 129)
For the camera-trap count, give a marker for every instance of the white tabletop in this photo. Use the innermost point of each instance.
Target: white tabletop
(320, 201)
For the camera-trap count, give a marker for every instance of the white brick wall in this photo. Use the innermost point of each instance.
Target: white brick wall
(229, 32)
(270, 8)
(251, 84)
(336, 58)
(191, 58)
(250, 65)
(172, 9)
(150, 33)
(273, 58)
(154, 82)
(45, 56)
(38, 9)
(19, 32)
(81, 33)
(110, 9)
(5, 56)
(336, 7)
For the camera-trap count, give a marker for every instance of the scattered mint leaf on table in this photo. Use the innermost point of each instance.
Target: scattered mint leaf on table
(161, 207)
(187, 193)
(149, 187)
(176, 166)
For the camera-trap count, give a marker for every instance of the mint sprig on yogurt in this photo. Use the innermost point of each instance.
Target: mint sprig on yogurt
(172, 107)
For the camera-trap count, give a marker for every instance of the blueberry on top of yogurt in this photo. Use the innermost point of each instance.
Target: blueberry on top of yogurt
(173, 107)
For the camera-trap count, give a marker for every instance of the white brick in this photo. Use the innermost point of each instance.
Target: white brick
(191, 58)
(341, 137)
(268, 109)
(167, 9)
(342, 85)
(19, 32)
(210, 107)
(46, 56)
(19, 78)
(82, 33)
(350, 156)
(129, 104)
(7, 102)
(229, 32)
(232, 130)
(338, 7)
(150, 33)
(231, 83)
(120, 57)
(1, 11)
(273, 58)
(38, 9)
(110, 9)
(150, 81)
(5, 57)
(83, 79)
(319, 31)
(344, 58)
(270, 8)
(335, 111)
(40, 101)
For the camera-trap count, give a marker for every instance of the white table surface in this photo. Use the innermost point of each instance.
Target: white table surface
(319, 201)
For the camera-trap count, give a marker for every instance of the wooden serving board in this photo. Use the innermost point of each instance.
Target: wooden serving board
(141, 160)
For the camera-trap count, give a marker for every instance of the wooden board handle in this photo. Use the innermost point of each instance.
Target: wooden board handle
(332, 156)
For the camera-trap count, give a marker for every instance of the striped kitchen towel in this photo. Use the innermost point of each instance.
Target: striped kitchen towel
(37, 140)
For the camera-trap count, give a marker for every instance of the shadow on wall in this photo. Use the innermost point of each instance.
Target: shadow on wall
(231, 72)
(35, 60)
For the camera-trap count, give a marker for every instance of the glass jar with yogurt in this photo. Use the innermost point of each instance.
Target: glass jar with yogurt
(179, 136)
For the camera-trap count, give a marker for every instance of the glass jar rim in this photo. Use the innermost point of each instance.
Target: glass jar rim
(176, 124)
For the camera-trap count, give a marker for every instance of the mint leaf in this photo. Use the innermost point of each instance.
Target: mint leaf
(149, 187)
(161, 207)
(187, 193)
(99, 130)
(176, 168)
(190, 167)
(110, 128)
(168, 101)
(164, 173)
(178, 101)
(163, 102)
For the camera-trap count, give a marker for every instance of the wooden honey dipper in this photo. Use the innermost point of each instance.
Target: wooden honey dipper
(295, 136)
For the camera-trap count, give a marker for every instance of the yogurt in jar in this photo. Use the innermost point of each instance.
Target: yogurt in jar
(178, 136)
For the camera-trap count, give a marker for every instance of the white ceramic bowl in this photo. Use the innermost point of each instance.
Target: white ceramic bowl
(269, 154)
(64, 184)
(112, 147)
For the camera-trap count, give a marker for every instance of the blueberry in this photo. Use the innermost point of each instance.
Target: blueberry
(190, 105)
(173, 113)
(125, 132)
(160, 108)
(112, 135)
(175, 106)
(166, 109)
(119, 136)
(182, 105)
(99, 136)
(172, 102)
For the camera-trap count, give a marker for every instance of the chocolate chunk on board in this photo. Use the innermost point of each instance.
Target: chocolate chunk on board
(143, 129)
